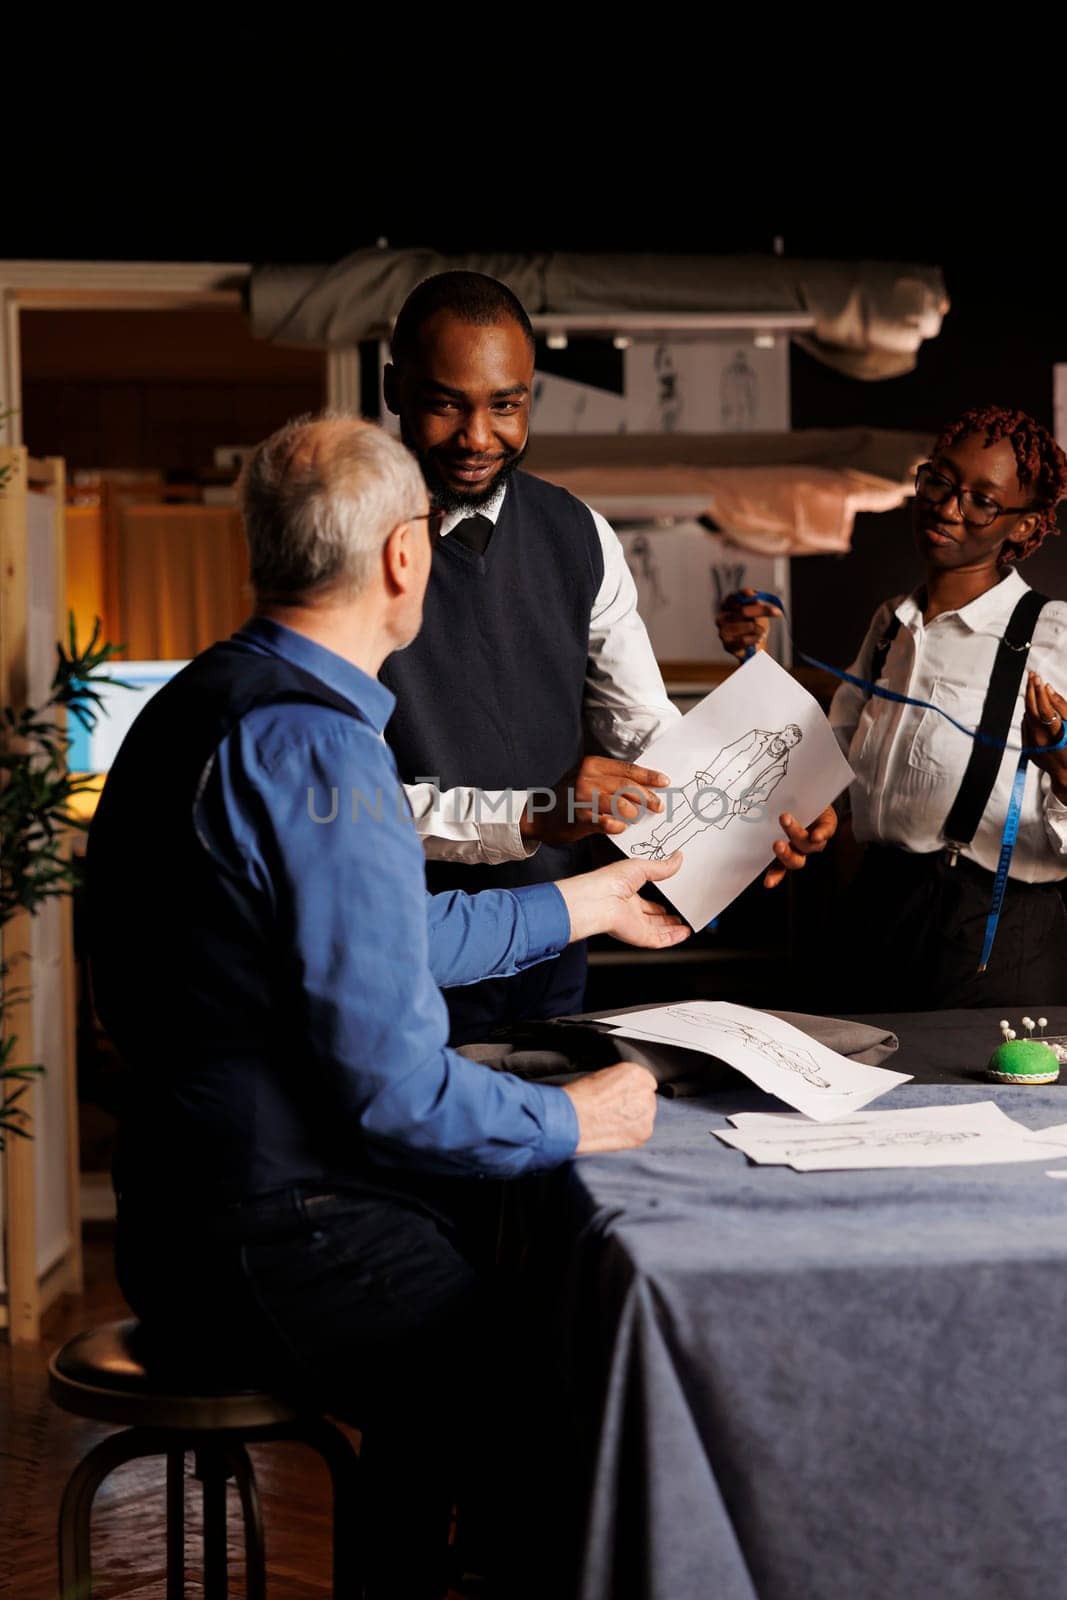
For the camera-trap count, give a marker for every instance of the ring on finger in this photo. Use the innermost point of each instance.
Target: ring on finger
(1050, 722)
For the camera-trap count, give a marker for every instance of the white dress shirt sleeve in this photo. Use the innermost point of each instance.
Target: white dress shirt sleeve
(475, 826)
(626, 704)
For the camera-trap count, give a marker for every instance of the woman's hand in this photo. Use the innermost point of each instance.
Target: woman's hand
(799, 844)
(745, 626)
(1043, 725)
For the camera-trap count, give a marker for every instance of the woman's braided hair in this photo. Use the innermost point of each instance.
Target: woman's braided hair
(1039, 462)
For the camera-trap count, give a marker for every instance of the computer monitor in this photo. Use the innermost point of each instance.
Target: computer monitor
(95, 751)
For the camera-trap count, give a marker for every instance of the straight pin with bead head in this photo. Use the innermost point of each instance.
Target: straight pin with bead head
(1042, 1023)
(1029, 1025)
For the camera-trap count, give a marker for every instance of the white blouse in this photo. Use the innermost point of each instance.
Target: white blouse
(909, 763)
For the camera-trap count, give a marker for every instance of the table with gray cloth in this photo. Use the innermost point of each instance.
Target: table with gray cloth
(819, 1386)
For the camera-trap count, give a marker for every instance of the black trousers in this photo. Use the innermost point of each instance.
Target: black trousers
(362, 1299)
(912, 934)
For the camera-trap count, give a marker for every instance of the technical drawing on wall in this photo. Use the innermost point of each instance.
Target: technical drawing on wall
(668, 395)
(739, 395)
(727, 579)
(740, 776)
(641, 560)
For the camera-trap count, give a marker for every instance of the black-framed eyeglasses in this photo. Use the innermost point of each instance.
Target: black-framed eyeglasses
(980, 510)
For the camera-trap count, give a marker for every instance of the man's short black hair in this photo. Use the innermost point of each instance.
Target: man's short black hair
(470, 296)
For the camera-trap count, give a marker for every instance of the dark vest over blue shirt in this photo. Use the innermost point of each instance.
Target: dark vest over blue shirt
(490, 696)
(189, 985)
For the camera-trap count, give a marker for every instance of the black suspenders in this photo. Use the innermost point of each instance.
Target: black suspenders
(881, 649)
(998, 712)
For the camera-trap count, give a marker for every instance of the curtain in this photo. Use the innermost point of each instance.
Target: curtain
(183, 579)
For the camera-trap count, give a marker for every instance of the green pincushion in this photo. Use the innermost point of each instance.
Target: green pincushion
(1023, 1061)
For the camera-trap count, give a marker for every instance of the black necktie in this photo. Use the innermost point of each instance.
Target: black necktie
(475, 532)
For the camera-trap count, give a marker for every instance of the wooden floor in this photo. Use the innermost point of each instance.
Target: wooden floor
(39, 1445)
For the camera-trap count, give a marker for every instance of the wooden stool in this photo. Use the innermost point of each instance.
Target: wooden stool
(104, 1375)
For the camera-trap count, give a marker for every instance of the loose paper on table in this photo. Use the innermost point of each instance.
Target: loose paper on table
(776, 1056)
(976, 1134)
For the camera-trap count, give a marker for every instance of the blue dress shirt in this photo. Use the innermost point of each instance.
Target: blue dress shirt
(303, 806)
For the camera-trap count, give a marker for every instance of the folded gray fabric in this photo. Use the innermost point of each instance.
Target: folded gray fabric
(565, 1047)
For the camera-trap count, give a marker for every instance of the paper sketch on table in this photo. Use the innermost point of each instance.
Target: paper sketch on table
(1054, 1135)
(757, 746)
(776, 1056)
(953, 1135)
(830, 1143)
(981, 1114)
(739, 776)
(789, 1057)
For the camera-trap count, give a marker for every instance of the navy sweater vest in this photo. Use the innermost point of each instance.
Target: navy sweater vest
(190, 976)
(490, 693)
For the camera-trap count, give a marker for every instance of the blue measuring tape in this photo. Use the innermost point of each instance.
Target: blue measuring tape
(1011, 822)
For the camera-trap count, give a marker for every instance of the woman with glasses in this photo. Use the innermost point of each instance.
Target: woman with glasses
(928, 802)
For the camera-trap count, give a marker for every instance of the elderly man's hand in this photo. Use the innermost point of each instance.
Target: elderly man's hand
(609, 901)
(616, 1108)
(599, 796)
(799, 844)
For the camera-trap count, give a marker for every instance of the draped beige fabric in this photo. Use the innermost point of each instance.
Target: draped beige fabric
(869, 317)
(183, 579)
(776, 493)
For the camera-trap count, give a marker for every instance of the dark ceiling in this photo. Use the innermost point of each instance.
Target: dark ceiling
(1007, 327)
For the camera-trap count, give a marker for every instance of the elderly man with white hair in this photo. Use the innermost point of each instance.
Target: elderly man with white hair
(268, 963)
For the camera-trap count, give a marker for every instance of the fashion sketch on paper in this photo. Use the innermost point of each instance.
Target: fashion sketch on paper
(740, 776)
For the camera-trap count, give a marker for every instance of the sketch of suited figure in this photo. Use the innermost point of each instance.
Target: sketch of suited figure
(916, 1138)
(741, 775)
(790, 1057)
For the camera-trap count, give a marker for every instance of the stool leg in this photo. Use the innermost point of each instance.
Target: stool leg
(175, 1525)
(343, 1463)
(255, 1555)
(212, 1472)
(75, 1511)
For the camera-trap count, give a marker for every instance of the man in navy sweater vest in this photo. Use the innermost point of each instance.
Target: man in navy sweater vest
(532, 688)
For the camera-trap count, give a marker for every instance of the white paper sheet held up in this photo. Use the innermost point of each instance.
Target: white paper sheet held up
(754, 747)
(776, 1056)
(928, 1136)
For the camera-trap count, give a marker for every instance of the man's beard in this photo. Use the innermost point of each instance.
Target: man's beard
(447, 499)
